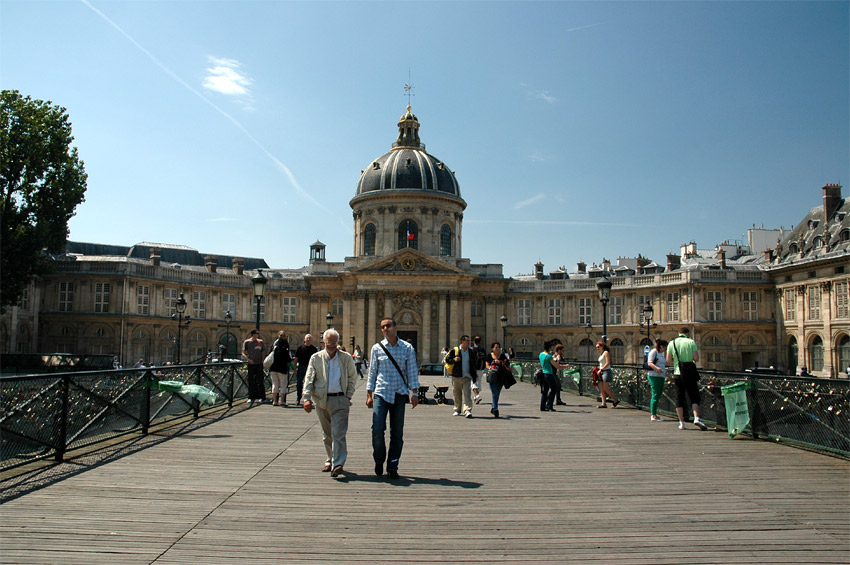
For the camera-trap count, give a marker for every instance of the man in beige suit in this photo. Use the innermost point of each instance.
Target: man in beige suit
(329, 385)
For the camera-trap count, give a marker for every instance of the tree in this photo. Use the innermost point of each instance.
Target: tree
(42, 181)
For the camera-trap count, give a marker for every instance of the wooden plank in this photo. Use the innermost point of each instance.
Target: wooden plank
(580, 484)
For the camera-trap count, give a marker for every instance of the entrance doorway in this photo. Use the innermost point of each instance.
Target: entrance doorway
(411, 338)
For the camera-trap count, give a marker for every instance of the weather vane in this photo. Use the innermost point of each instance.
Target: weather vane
(408, 88)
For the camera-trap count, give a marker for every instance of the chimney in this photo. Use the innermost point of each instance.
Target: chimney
(606, 264)
(211, 263)
(831, 200)
(155, 258)
(538, 271)
(239, 265)
(582, 267)
(768, 256)
(721, 258)
(673, 262)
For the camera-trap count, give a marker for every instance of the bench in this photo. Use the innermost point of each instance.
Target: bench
(440, 394)
(423, 389)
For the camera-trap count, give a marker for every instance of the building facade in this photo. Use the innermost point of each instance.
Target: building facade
(407, 263)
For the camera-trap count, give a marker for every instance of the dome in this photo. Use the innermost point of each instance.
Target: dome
(408, 166)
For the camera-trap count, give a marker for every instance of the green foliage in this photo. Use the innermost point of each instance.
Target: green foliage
(42, 181)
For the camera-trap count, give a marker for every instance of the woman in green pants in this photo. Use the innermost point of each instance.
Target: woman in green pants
(656, 361)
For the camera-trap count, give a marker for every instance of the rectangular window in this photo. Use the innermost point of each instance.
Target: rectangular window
(842, 299)
(751, 305)
(143, 300)
(199, 304)
(814, 302)
(523, 311)
(101, 297)
(615, 310)
(672, 306)
(228, 302)
(66, 296)
(477, 308)
(642, 300)
(585, 311)
(262, 308)
(714, 358)
(25, 299)
(290, 309)
(338, 306)
(715, 305)
(555, 312)
(169, 295)
(790, 305)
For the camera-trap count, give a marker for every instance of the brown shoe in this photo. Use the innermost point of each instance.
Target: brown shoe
(336, 471)
(326, 468)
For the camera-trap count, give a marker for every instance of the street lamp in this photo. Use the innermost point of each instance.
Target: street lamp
(228, 317)
(330, 320)
(504, 321)
(180, 305)
(259, 282)
(647, 317)
(604, 286)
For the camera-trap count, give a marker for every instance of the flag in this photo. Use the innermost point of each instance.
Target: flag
(409, 235)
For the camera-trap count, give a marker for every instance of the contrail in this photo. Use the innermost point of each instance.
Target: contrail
(234, 121)
(585, 27)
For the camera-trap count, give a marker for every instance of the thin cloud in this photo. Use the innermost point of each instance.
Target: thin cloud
(225, 77)
(544, 95)
(536, 156)
(280, 165)
(584, 27)
(530, 201)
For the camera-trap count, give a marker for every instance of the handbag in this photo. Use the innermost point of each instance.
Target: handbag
(686, 368)
(538, 377)
(267, 362)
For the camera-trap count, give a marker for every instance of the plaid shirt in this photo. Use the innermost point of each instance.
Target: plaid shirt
(384, 379)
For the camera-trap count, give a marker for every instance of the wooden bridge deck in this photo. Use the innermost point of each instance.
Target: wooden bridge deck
(580, 485)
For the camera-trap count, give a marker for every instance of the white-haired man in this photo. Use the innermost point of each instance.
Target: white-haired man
(329, 385)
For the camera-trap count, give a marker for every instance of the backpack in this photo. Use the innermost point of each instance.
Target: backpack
(450, 366)
(646, 366)
(480, 357)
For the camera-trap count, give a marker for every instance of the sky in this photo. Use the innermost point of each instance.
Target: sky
(578, 131)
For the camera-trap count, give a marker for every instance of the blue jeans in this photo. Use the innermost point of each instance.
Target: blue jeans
(380, 409)
(548, 391)
(495, 392)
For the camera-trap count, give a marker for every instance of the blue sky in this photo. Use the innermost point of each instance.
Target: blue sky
(577, 130)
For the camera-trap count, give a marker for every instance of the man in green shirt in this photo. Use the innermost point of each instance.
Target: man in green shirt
(682, 354)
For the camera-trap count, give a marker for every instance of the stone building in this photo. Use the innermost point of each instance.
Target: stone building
(407, 263)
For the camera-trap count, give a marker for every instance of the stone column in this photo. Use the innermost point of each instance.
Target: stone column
(348, 320)
(454, 320)
(359, 323)
(372, 325)
(492, 328)
(466, 301)
(441, 329)
(426, 353)
(388, 304)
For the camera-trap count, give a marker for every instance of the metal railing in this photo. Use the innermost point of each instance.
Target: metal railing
(44, 416)
(804, 411)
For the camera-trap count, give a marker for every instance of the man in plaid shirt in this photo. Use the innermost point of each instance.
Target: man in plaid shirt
(387, 391)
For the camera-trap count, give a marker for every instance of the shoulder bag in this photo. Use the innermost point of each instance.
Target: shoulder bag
(400, 372)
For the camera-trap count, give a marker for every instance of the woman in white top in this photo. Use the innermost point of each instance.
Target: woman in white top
(606, 375)
(656, 360)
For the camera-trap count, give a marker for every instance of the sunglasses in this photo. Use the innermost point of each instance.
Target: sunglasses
(385, 326)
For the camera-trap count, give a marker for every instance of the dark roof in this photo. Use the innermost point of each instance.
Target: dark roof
(179, 254)
(817, 237)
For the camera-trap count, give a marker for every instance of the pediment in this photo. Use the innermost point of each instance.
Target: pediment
(408, 261)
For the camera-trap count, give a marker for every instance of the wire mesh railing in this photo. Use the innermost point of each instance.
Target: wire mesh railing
(44, 416)
(805, 411)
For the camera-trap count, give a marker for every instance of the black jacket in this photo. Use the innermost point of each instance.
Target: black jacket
(457, 371)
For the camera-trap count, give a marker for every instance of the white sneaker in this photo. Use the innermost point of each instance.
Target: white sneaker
(477, 399)
(455, 413)
(700, 425)
(681, 425)
(467, 415)
(656, 419)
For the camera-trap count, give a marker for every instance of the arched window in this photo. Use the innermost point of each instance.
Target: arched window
(844, 355)
(618, 351)
(408, 235)
(585, 348)
(369, 239)
(816, 354)
(446, 241)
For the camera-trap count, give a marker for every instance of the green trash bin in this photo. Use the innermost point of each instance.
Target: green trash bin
(574, 374)
(737, 408)
(516, 368)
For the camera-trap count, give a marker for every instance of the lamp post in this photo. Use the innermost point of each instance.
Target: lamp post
(180, 305)
(259, 282)
(647, 318)
(504, 321)
(330, 319)
(228, 317)
(604, 287)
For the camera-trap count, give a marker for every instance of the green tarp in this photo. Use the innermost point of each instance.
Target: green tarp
(737, 408)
